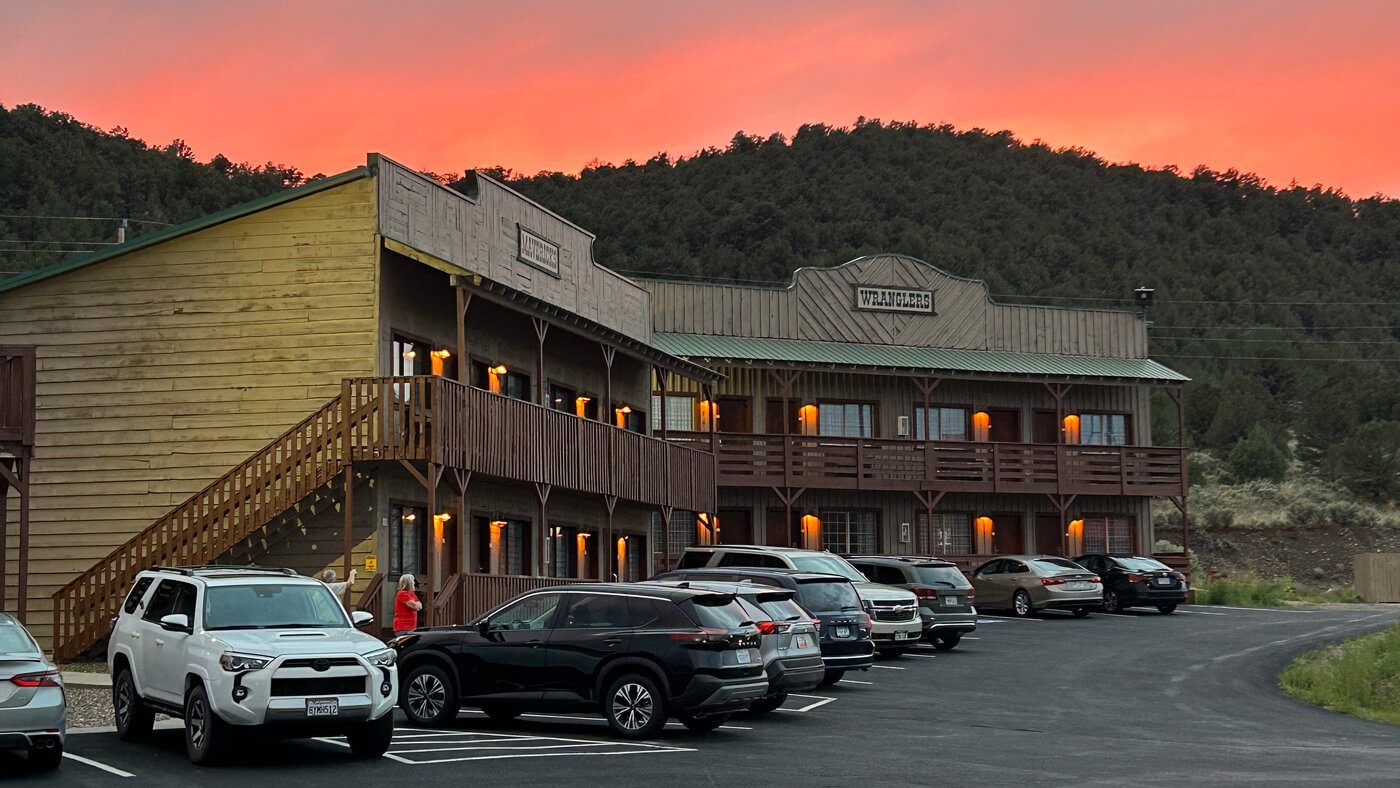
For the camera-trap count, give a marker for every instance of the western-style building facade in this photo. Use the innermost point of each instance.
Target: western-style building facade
(376, 372)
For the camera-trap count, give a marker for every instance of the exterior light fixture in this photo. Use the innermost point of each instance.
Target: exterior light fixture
(410, 517)
(625, 409)
(1071, 429)
(410, 353)
(499, 369)
(981, 426)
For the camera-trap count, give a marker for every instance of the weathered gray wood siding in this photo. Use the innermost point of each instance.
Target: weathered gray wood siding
(819, 305)
(480, 233)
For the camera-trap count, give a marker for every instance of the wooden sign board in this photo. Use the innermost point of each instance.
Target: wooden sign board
(538, 252)
(893, 299)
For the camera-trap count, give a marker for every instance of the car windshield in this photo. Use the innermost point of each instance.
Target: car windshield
(1055, 565)
(827, 596)
(944, 576)
(15, 642)
(1141, 564)
(273, 606)
(828, 565)
(718, 610)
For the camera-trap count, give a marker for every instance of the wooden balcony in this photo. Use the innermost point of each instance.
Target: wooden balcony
(431, 418)
(947, 466)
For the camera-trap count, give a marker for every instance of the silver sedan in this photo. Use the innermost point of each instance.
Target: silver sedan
(32, 701)
(1024, 584)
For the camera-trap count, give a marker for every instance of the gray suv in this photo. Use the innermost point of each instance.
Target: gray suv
(945, 595)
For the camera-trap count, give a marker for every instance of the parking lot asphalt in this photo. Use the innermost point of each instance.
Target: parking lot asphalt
(1112, 699)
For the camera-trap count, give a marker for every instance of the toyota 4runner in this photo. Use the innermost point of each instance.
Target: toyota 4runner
(230, 648)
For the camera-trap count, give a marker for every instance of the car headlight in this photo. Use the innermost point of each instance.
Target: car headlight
(237, 663)
(382, 659)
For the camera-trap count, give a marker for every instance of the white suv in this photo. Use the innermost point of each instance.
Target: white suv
(894, 612)
(238, 646)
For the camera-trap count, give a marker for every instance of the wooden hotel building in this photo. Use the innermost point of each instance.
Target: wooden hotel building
(376, 372)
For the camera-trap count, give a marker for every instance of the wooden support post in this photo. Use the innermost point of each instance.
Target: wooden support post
(542, 492)
(348, 526)
(605, 412)
(464, 301)
(661, 376)
(541, 392)
(4, 530)
(666, 537)
(22, 592)
(435, 544)
(461, 479)
(608, 548)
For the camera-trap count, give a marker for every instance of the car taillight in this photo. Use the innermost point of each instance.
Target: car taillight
(48, 678)
(869, 624)
(817, 624)
(971, 594)
(1137, 578)
(1051, 581)
(1095, 579)
(925, 593)
(767, 627)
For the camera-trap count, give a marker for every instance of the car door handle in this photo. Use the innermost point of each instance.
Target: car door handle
(160, 642)
(536, 643)
(613, 642)
(135, 635)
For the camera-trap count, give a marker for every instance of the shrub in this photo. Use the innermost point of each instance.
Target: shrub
(1165, 546)
(1242, 592)
(1368, 461)
(1257, 456)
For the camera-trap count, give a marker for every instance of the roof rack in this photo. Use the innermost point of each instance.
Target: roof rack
(190, 571)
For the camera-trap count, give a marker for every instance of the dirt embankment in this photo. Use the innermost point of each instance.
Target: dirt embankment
(1315, 556)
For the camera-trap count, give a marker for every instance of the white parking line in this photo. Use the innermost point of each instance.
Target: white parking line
(987, 619)
(920, 656)
(1200, 613)
(1116, 615)
(853, 681)
(886, 667)
(1258, 609)
(599, 720)
(965, 637)
(98, 765)
(820, 701)
(483, 746)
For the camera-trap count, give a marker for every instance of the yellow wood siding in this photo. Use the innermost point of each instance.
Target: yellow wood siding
(161, 369)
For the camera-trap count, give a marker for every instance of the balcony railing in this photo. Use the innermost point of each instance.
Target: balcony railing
(952, 466)
(491, 435)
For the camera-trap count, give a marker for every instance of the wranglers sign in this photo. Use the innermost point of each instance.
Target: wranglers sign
(890, 299)
(538, 252)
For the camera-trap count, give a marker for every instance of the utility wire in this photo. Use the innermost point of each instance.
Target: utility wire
(1261, 328)
(57, 243)
(1277, 341)
(1284, 358)
(84, 218)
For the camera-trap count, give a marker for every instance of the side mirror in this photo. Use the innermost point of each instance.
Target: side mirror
(175, 622)
(361, 618)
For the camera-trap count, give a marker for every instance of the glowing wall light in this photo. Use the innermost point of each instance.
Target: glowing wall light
(1071, 429)
(981, 426)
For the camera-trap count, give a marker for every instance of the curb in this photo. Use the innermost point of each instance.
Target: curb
(78, 679)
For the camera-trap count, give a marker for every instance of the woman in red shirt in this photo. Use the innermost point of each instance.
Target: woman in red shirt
(406, 606)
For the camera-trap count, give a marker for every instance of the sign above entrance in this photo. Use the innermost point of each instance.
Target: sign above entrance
(536, 251)
(891, 299)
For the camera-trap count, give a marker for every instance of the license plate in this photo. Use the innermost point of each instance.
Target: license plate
(743, 657)
(951, 601)
(1162, 581)
(843, 632)
(323, 707)
(1078, 585)
(802, 641)
(901, 635)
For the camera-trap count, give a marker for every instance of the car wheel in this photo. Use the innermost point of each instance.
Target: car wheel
(500, 713)
(429, 696)
(1081, 612)
(1111, 603)
(947, 642)
(372, 739)
(47, 759)
(1021, 604)
(831, 677)
(633, 706)
(704, 724)
(770, 703)
(133, 719)
(206, 735)
(1166, 610)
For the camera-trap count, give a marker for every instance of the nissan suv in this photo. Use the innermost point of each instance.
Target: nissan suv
(945, 595)
(238, 647)
(636, 653)
(894, 611)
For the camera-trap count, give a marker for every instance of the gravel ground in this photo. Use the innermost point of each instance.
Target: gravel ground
(90, 666)
(89, 707)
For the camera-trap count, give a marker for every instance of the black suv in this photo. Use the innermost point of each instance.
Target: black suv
(1136, 581)
(845, 627)
(637, 654)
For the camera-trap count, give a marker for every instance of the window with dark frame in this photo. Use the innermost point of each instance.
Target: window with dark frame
(846, 419)
(947, 533)
(1104, 429)
(561, 398)
(941, 423)
(408, 356)
(680, 413)
(1108, 533)
(851, 532)
(408, 542)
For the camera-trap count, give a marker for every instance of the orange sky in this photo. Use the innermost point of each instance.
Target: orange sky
(1304, 91)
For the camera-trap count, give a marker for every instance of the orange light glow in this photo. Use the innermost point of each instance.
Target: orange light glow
(706, 408)
(581, 406)
(1071, 429)
(622, 558)
(811, 531)
(807, 420)
(985, 528)
(981, 426)
(495, 378)
(494, 559)
(1075, 537)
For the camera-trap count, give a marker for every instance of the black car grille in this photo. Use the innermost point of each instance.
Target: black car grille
(336, 685)
(321, 663)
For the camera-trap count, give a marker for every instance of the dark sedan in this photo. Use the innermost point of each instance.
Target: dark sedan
(1136, 581)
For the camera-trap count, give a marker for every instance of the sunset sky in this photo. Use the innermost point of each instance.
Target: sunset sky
(1303, 91)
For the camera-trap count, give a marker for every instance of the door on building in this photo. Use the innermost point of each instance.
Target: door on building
(1045, 427)
(735, 414)
(735, 525)
(1047, 534)
(1006, 534)
(780, 529)
(1006, 425)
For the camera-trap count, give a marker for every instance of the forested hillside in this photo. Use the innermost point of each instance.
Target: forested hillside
(64, 186)
(1282, 303)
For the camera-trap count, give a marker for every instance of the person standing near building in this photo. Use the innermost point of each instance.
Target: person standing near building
(339, 589)
(406, 606)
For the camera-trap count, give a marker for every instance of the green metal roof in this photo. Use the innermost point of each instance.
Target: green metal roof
(208, 220)
(706, 347)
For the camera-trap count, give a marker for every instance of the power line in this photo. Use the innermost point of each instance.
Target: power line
(1202, 301)
(1285, 358)
(1262, 328)
(84, 218)
(58, 243)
